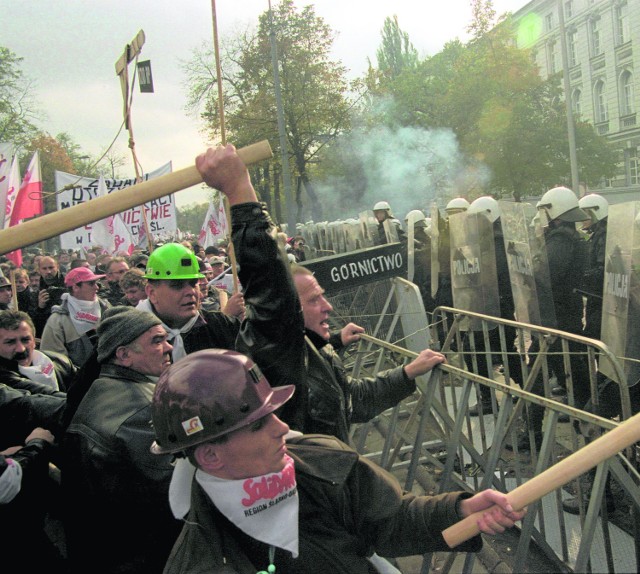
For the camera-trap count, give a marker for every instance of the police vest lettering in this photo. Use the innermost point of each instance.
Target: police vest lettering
(617, 284)
(466, 266)
(366, 267)
(520, 264)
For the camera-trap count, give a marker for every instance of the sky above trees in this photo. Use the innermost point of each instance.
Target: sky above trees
(70, 49)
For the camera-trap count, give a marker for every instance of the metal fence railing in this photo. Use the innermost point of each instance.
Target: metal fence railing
(432, 433)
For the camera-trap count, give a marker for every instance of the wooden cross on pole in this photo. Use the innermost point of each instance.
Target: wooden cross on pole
(131, 51)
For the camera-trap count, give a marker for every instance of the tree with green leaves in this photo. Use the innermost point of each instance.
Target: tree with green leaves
(396, 52)
(18, 109)
(313, 86)
(504, 116)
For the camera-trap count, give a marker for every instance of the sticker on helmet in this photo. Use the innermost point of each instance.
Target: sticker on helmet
(192, 425)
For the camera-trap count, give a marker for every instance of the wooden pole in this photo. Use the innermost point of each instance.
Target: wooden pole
(223, 139)
(588, 457)
(53, 224)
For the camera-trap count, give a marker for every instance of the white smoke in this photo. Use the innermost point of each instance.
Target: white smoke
(409, 167)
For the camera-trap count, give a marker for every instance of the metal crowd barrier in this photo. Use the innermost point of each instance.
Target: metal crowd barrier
(434, 428)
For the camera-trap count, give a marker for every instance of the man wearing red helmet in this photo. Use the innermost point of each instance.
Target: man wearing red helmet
(240, 472)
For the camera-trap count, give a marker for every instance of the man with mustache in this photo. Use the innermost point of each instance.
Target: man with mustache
(22, 366)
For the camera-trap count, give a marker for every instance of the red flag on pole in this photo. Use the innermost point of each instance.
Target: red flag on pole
(29, 200)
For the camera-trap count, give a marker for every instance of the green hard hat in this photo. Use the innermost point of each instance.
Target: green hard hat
(172, 261)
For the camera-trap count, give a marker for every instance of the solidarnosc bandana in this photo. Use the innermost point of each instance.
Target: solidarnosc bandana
(41, 370)
(84, 314)
(254, 504)
(265, 507)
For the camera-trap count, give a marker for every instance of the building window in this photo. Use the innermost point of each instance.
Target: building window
(548, 20)
(594, 31)
(626, 93)
(552, 59)
(572, 49)
(622, 23)
(600, 102)
(576, 102)
(568, 9)
(633, 166)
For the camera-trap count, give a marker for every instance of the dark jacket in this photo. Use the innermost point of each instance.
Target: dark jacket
(27, 547)
(566, 255)
(65, 374)
(328, 401)
(112, 292)
(593, 278)
(273, 334)
(115, 491)
(348, 508)
(21, 412)
(39, 315)
(273, 330)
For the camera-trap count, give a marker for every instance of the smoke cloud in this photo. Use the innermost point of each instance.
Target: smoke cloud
(409, 167)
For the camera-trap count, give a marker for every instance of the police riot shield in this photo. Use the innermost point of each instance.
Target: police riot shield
(352, 235)
(412, 217)
(310, 234)
(369, 227)
(437, 224)
(390, 231)
(528, 267)
(620, 329)
(474, 279)
(336, 232)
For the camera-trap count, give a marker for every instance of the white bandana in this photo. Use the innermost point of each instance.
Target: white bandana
(175, 335)
(41, 370)
(265, 507)
(254, 505)
(84, 314)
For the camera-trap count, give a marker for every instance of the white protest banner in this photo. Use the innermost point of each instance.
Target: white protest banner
(161, 213)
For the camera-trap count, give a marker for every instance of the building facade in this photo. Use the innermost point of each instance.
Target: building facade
(601, 51)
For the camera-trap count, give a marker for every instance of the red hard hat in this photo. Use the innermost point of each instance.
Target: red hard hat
(208, 394)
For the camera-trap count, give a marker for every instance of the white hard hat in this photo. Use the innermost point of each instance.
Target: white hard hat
(457, 204)
(595, 205)
(486, 205)
(561, 203)
(382, 205)
(418, 216)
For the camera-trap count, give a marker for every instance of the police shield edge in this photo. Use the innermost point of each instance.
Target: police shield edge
(369, 227)
(528, 267)
(435, 233)
(474, 279)
(621, 293)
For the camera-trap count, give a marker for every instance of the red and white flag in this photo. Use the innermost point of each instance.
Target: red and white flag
(12, 191)
(28, 202)
(111, 233)
(215, 224)
(6, 155)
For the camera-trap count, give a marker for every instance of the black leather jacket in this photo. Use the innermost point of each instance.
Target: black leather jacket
(273, 334)
(65, 374)
(21, 412)
(115, 491)
(328, 401)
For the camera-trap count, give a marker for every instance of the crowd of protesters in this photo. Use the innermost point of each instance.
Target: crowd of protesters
(99, 347)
